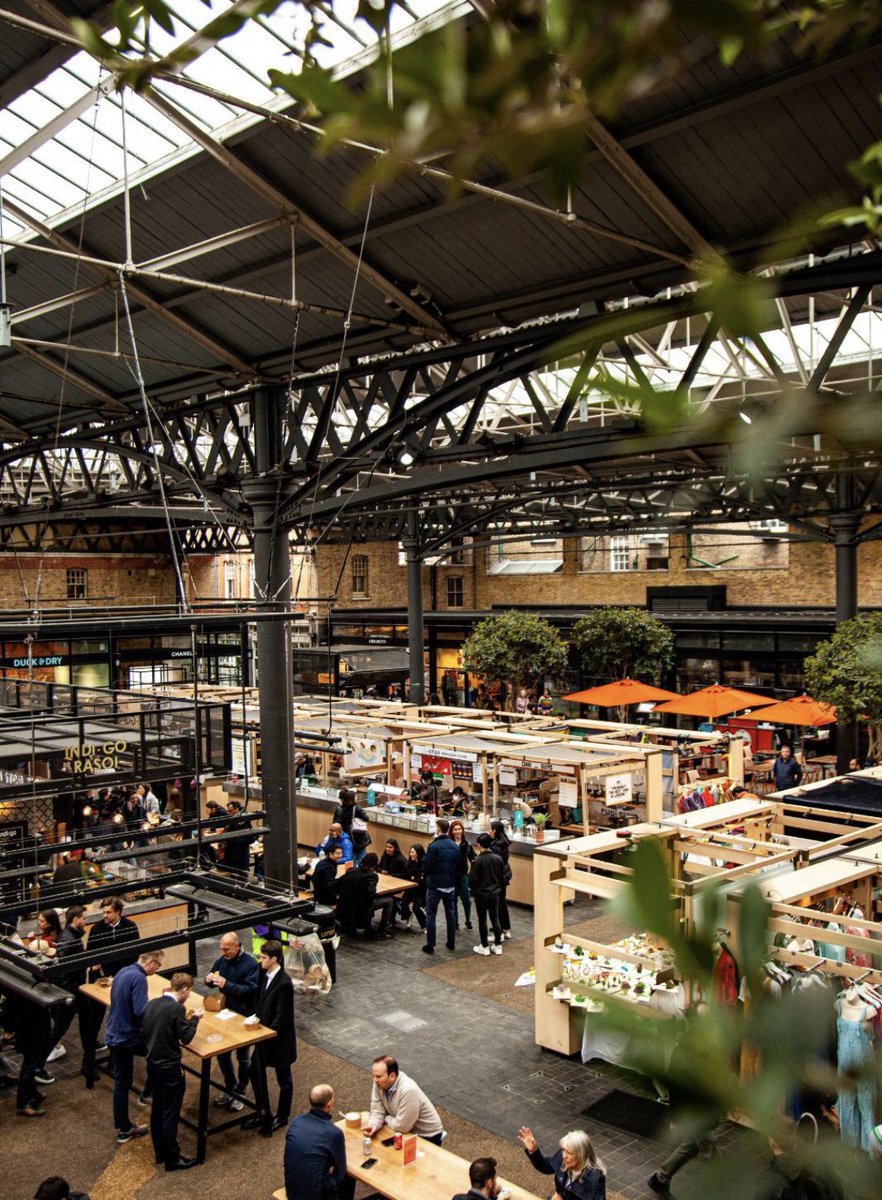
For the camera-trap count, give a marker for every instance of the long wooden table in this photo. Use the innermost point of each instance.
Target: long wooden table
(215, 1035)
(437, 1173)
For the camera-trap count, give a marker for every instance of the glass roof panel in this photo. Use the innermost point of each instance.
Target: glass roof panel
(53, 181)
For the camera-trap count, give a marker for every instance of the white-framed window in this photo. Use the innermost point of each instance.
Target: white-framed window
(359, 575)
(619, 554)
(229, 580)
(77, 581)
(455, 595)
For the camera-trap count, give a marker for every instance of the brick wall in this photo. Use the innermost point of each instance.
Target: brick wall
(111, 580)
(808, 579)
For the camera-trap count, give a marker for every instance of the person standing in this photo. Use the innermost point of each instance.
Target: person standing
(578, 1172)
(462, 894)
(486, 883)
(441, 869)
(502, 846)
(113, 931)
(234, 974)
(315, 1152)
(69, 945)
(166, 1028)
(124, 1036)
(275, 1008)
(352, 819)
(786, 771)
(32, 1027)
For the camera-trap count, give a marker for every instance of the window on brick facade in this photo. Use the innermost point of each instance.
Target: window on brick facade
(229, 580)
(454, 591)
(77, 578)
(619, 554)
(359, 574)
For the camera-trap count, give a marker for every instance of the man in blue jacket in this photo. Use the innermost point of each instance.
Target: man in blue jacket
(337, 836)
(235, 976)
(128, 999)
(315, 1152)
(440, 868)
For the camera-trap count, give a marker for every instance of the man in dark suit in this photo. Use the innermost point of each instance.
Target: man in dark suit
(275, 1008)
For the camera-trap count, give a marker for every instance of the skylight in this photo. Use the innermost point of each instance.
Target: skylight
(61, 142)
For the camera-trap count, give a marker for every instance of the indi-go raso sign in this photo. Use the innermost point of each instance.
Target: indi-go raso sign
(93, 756)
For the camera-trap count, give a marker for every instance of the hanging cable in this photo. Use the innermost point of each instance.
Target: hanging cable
(135, 368)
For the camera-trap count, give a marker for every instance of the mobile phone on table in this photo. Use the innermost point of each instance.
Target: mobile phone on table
(368, 1162)
(388, 1141)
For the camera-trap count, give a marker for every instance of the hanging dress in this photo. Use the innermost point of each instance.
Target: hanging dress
(856, 1104)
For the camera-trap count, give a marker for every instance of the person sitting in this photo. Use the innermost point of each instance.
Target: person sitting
(315, 1152)
(578, 1173)
(324, 877)
(400, 1103)
(357, 900)
(336, 837)
(484, 1182)
(392, 861)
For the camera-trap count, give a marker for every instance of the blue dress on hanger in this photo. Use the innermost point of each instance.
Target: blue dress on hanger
(856, 1104)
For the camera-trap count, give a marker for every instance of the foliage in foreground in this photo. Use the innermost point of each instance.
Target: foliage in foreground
(790, 1034)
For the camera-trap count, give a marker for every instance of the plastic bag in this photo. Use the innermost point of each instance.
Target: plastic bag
(305, 963)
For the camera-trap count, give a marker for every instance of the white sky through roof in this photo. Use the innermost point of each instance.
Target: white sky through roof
(84, 159)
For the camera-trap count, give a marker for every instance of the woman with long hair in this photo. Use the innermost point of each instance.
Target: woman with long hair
(413, 901)
(578, 1172)
(392, 861)
(502, 846)
(466, 858)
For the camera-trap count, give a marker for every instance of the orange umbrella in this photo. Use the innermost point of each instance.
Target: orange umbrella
(801, 710)
(620, 693)
(712, 702)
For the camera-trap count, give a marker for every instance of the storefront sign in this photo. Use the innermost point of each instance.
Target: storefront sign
(618, 789)
(94, 756)
(12, 833)
(181, 654)
(39, 660)
(438, 766)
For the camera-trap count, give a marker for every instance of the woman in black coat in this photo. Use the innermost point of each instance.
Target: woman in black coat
(501, 846)
(413, 901)
(466, 858)
(578, 1172)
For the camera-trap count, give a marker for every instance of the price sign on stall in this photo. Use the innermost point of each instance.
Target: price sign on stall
(618, 789)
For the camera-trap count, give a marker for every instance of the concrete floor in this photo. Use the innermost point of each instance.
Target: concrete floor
(473, 1056)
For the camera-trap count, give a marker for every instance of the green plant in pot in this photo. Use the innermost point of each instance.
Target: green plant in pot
(540, 820)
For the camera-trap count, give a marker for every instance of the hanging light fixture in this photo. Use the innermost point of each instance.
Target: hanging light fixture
(5, 324)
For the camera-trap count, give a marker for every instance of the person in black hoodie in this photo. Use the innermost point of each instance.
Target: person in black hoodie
(486, 883)
(357, 903)
(166, 1028)
(502, 847)
(324, 877)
